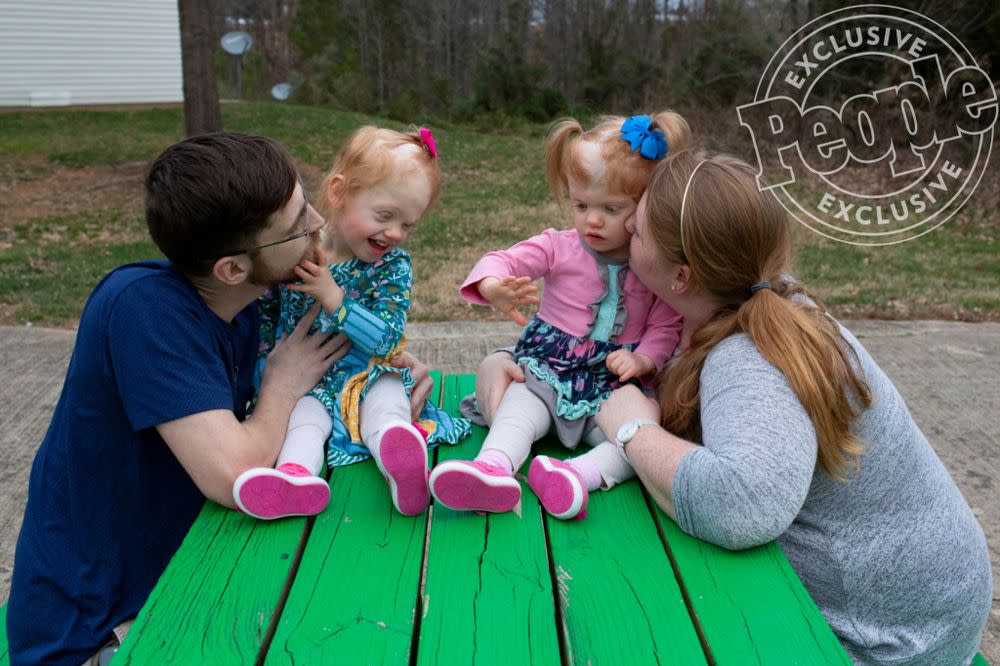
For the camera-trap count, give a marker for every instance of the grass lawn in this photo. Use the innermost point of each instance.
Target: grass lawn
(71, 209)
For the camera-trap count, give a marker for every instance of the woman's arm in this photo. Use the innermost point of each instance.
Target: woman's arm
(747, 482)
(654, 453)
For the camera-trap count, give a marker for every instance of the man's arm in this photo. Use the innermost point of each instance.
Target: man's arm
(214, 447)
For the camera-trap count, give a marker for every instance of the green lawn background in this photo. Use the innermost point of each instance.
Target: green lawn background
(71, 209)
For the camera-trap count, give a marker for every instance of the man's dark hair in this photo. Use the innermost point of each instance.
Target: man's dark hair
(210, 195)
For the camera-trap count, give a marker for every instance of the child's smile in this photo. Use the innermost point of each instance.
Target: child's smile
(373, 221)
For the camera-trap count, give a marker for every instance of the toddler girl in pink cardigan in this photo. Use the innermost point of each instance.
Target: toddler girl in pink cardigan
(597, 325)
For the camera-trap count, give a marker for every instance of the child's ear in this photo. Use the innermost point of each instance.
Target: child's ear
(335, 191)
(232, 270)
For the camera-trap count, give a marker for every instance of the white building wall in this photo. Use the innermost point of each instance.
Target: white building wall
(57, 52)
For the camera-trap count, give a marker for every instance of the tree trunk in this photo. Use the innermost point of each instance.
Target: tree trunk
(201, 99)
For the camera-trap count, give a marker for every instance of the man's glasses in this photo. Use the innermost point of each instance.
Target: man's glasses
(286, 239)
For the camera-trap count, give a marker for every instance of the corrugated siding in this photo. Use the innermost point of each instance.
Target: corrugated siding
(89, 52)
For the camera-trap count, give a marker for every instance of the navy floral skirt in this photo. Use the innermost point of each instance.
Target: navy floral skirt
(574, 367)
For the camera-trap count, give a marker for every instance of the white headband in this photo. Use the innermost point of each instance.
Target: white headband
(683, 202)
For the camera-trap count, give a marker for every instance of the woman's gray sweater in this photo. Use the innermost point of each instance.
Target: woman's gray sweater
(894, 558)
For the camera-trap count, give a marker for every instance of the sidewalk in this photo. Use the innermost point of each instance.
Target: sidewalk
(947, 372)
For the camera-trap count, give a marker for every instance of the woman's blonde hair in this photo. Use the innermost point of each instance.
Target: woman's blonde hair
(370, 156)
(734, 236)
(625, 172)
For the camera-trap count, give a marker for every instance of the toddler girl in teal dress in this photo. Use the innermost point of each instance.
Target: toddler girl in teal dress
(381, 185)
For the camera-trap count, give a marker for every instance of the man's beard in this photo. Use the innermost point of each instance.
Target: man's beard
(264, 276)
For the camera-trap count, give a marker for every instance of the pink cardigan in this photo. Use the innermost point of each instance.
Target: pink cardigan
(572, 282)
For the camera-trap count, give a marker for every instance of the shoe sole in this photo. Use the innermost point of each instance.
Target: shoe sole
(464, 488)
(268, 494)
(404, 465)
(557, 489)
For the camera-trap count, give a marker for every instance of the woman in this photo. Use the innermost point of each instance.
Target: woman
(773, 422)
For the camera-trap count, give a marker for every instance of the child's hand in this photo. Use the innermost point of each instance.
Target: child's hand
(627, 364)
(506, 294)
(318, 282)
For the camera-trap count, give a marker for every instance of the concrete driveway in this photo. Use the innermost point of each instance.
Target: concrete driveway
(948, 372)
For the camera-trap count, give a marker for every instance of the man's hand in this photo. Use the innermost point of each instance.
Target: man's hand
(423, 384)
(299, 360)
(509, 293)
(214, 448)
(318, 282)
(496, 372)
(627, 364)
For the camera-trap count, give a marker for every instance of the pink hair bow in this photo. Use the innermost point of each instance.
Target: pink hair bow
(428, 141)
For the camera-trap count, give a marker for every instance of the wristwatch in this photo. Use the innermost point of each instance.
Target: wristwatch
(628, 431)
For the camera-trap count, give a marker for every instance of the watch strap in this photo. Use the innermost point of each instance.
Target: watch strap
(636, 424)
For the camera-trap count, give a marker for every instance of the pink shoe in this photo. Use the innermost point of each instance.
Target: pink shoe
(559, 487)
(402, 460)
(466, 485)
(289, 490)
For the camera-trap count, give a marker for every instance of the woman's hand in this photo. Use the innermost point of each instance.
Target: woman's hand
(623, 405)
(423, 384)
(496, 372)
(509, 293)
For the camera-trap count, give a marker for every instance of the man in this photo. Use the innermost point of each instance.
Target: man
(152, 416)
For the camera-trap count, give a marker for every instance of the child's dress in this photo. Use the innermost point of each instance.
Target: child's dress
(591, 306)
(373, 315)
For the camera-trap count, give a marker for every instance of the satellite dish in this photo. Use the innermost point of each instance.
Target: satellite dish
(281, 91)
(236, 43)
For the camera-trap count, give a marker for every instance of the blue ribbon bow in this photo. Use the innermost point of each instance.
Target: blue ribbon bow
(639, 132)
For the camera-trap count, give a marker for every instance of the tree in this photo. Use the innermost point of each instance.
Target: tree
(201, 99)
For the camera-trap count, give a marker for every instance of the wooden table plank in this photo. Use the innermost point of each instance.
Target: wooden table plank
(620, 601)
(215, 601)
(487, 596)
(355, 592)
(751, 606)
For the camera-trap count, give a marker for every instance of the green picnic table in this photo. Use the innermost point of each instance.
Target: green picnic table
(361, 584)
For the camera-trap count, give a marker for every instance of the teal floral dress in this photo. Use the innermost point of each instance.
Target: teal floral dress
(373, 315)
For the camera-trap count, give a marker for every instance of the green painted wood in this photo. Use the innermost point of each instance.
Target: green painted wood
(355, 591)
(436, 392)
(214, 602)
(751, 606)
(980, 660)
(4, 650)
(487, 595)
(619, 599)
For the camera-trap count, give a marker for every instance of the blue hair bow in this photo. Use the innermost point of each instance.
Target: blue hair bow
(639, 132)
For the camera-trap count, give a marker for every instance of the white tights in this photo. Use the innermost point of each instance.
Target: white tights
(309, 425)
(522, 419)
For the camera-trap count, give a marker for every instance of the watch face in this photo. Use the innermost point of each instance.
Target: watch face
(627, 432)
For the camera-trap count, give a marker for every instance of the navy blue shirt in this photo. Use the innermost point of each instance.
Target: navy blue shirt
(108, 503)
